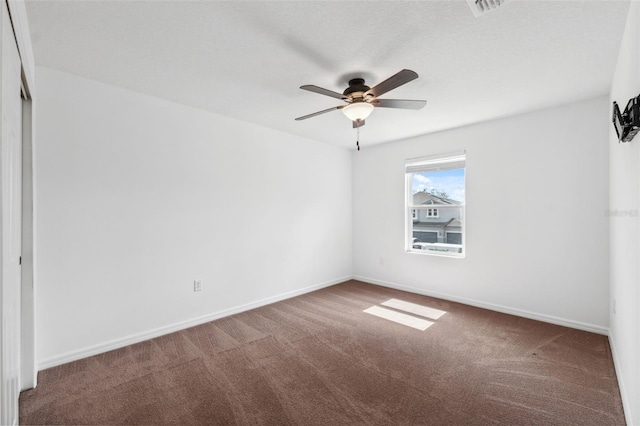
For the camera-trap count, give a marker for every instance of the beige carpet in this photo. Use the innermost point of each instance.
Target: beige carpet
(318, 359)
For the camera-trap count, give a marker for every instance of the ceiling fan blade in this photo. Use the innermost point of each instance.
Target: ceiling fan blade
(304, 117)
(392, 82)
(358, 123)
(326, 92)
(399, 103)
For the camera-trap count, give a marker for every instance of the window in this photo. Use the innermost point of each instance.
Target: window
(436, 181)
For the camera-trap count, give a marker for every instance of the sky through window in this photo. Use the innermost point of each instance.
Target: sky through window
(449, 182)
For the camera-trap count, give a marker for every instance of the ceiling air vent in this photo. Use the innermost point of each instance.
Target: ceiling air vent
(480, 7)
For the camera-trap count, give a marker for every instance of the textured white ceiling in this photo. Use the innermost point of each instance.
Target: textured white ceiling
(247, 59)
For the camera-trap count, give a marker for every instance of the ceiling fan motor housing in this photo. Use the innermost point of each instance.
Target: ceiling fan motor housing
(356, 89)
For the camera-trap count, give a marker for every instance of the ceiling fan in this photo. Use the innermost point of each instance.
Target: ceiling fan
(362, 99)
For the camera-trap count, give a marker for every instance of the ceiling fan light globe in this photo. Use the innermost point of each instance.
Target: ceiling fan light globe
(358, 111)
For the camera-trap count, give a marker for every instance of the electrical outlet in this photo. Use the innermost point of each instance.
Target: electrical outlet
(614, 306)
(197, 285)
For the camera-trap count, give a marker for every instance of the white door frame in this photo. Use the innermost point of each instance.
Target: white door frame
(10, 225)
(29, 366)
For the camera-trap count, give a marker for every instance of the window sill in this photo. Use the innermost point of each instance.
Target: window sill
(442, 250)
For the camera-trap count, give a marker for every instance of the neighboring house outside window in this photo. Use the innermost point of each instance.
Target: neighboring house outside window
(436, 181)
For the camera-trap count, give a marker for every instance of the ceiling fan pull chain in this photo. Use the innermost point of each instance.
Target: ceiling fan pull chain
(358, 138)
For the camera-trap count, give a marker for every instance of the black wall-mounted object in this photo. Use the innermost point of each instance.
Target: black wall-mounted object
(627, 123)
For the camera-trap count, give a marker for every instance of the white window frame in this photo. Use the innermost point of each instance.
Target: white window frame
(432, 213)
(448, 161)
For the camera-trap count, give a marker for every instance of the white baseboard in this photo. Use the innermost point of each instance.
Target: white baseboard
(623, 393)
(150, 334)
(492, 307)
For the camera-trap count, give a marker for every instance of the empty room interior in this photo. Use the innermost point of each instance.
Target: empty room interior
(320, 213)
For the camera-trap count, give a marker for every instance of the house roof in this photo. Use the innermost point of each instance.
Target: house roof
(427, 198)
(433, 226)
(247, 60)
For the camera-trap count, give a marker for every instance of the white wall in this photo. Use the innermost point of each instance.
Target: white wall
(624, 164)
(537, 233)
(138, 196)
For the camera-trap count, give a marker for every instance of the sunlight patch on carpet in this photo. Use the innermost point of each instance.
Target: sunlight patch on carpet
(400, 318)
(412, 308)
